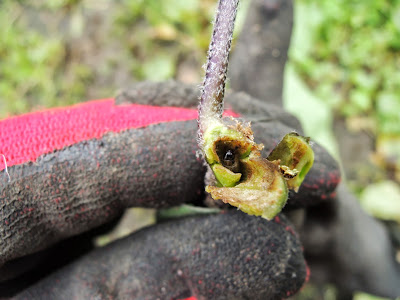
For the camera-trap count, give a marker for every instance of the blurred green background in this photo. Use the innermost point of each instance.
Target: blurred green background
(343, 75)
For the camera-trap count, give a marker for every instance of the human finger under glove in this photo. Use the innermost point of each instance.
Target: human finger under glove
(256, 260)
(102, 176)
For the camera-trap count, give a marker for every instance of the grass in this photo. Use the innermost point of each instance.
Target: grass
(344, 62)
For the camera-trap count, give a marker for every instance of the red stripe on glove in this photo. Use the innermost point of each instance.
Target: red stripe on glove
(24, 138)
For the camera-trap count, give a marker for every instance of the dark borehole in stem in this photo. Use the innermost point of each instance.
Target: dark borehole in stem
(228, 156)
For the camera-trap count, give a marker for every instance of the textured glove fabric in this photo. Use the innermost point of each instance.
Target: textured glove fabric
(75, 168)
(69, 191)
(198, 256)
(91, 161)
(107, 167)
(24, 138)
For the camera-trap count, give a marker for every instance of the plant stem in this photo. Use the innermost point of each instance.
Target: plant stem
(243, 178)
(212, 94)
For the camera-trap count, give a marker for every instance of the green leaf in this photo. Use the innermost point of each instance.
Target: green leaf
(361, 100)
(364, 296)
(159, 68)
(382, 200)
(388, 108)
(184, 210)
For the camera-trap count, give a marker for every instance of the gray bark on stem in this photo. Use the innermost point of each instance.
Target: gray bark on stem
(212, 94)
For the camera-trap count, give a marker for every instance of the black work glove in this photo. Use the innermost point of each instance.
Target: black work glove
(82, 166)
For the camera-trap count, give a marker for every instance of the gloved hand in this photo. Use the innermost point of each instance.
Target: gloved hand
(74, 169)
